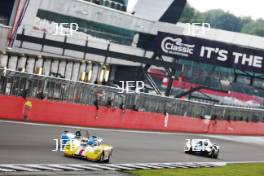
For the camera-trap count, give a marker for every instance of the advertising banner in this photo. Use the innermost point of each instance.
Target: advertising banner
(210, 52)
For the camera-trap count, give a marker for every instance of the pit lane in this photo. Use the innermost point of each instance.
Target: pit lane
(25, 143)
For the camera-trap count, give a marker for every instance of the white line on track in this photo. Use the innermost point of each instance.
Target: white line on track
(91, 128)
(122, 130)
(259, 140)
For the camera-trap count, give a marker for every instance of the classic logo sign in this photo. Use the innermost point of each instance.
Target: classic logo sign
(210, 52)
(176, 46)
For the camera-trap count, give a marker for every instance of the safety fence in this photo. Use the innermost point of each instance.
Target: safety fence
(42, 87)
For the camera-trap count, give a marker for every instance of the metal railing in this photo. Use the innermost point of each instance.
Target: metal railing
(52, 88)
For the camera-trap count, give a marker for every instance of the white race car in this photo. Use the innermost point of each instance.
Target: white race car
(202, 147)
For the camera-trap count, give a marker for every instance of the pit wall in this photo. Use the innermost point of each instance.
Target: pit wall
(45, 111)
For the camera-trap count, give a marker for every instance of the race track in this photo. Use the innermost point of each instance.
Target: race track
(33, 144)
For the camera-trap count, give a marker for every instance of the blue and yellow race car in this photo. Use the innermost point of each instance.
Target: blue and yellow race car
(86, 147)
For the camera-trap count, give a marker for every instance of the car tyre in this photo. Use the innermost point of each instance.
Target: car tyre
(216, 155)
(189, 151)
(102, 157)
(108, 159)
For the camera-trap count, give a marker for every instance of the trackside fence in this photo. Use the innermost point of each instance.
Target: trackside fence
(57, 89)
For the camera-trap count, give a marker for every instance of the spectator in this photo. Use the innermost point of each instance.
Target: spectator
(166, 119)
(228, 118)
(123, 107)
(96, 104)
(24, 93)
(98, 96)
(134, 107)
(109, 103)
(26, 109)
(214, 118)
(40, 95)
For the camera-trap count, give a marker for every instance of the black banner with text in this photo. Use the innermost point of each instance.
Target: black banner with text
(210, 52)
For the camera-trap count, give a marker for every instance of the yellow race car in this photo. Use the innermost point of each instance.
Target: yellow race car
(91, 148)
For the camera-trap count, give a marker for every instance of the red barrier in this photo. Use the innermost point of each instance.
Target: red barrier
(236, 128)
(11, 107)
(45, 111)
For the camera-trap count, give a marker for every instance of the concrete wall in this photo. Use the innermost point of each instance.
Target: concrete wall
(90, 11)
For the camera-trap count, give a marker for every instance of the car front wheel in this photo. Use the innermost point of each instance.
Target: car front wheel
(102, 157)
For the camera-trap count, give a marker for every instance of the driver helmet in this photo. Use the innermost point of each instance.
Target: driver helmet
(91, 141)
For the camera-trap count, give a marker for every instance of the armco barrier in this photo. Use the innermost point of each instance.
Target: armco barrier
(46, 111)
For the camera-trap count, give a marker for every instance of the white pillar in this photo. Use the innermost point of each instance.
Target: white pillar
(3, 60)
(47, 67)
(68, 71)
(12, 63)
(30, 65)
(75, 72)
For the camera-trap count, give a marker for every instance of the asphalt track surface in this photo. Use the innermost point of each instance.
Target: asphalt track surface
(33, 144)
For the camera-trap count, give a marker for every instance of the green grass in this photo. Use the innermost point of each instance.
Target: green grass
(228, 170)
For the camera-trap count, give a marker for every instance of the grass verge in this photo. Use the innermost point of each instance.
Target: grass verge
(228, 170)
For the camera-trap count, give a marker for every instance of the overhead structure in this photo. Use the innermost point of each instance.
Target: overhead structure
(130, 5)
(174, 12)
